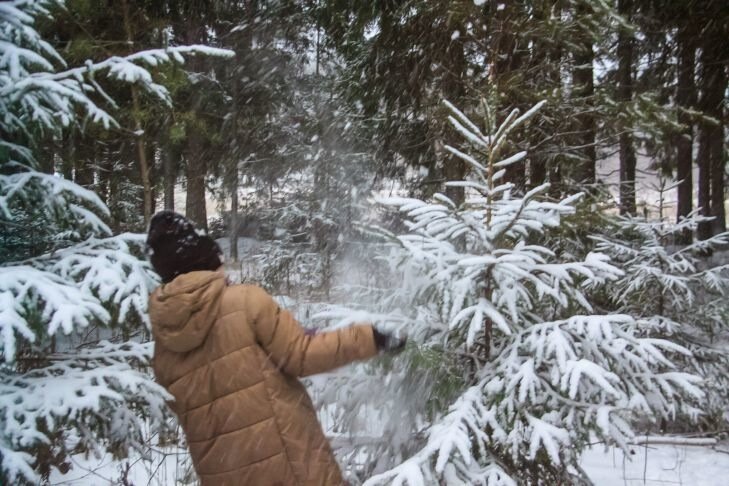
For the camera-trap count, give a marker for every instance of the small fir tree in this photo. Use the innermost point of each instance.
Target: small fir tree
(678, 292)
(541, 371)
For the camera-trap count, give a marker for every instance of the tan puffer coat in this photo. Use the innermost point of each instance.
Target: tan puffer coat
(231, 357)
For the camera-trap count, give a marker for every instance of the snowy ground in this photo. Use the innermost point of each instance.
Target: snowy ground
(656, 465)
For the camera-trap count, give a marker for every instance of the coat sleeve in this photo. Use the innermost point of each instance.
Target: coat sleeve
(298, 353)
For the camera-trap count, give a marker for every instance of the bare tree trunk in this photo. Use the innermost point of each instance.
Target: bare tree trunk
(544, 61)
(584, 91)
(83, 168)
(196, 168)
(144, 166)
(67, 141)
(718, 164)
(104, 174)
(703, 160)
(685, 99)
(715, 99)
(234, 215)
(170, 159)
(554, 169)
(625, 96)
(195, 202)
(711, 136)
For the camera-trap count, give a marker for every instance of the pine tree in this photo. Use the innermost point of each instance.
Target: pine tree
(678, 292)
(61, 389)
(542, 371)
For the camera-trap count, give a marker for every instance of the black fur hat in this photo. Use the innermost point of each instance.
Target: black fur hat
(176, 248)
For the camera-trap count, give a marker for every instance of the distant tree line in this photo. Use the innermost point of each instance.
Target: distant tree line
(325, 96)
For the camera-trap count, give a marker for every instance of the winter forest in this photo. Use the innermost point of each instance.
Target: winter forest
(532, 191)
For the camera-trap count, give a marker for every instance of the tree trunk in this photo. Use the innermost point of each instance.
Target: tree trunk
(711, 136)
(556, 53)
(170, 159)
(83, 167)
(84, 173)
(718, 164)
(195, 202)
(144, 165)
(704, 162)
(685, 99)
(716, 87)
(196, 168)
(537, 170)
(152, 157)
(542, 64)
(234, 216)
(65, 152)
(142, 160)
(104, 173)
(584, 91)
(625, 96)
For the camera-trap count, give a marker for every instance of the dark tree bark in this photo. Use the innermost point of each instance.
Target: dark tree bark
(704, 163)
(625, 96)
(715, 89)
(234, 223)
(196, 167)
(537, 170)
(685, 99)
(710, 157)
(170, 159)
(584, 91)
(195, 202)
(554, 167)
(143, 161)
(66, 153)
(83, 165)
(544, 76)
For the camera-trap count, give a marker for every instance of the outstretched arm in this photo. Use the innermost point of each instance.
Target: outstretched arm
(298, 353)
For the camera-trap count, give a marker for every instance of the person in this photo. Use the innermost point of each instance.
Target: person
(231, 358)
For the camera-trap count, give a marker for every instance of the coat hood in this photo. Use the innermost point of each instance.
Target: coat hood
(183, 311)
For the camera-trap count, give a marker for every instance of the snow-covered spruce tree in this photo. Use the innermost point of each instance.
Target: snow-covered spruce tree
(679, 293)
(64, 390)
(542, 373)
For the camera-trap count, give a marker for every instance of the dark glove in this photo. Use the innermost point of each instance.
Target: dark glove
(388, 342)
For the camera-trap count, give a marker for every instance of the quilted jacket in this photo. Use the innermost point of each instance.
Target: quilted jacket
(231, 358)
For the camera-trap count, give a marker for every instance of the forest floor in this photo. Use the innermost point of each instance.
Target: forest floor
(655, 465)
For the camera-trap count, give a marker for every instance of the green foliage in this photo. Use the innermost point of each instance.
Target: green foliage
(437, 374)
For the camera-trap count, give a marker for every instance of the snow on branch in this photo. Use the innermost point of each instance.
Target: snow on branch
(23, 289)
(55, 398)
(544, 369)
(31, 91)
(549, 382)
(653, 264)
(72, 288)
(108, 269)
(58, 194)
(82, 387)
(449, 448)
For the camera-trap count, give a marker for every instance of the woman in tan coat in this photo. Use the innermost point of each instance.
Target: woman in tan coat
(230, 357)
